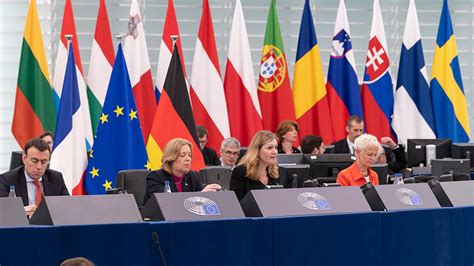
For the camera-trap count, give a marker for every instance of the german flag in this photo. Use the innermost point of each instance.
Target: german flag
(34, 105)
(173, 117)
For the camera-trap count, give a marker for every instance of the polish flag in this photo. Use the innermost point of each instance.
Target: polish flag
(207, 90)
(138, 64)
(245, 117)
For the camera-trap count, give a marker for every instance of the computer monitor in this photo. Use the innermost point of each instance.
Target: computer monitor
(464, 151)
(417, 150)
(296, 158)
(441, 167)
(328, 165)
(294, 175)
(15, 160)
(242, 152)
(330, 149)
(382, 172)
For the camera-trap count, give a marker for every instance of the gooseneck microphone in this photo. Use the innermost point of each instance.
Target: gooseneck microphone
(156, 240)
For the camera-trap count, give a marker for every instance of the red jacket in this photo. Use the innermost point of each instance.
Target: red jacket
(351, 176)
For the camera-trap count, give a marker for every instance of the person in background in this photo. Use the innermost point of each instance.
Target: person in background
(366, 151)
(33, 179)
(393, 155)
(48, 137)
(209, 154)
(176, 169)
(312, 144)
(354, 128)
(259, 167)
(287, 135)
(230, 149)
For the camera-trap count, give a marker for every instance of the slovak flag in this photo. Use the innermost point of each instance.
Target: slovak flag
(342, 83)
(377, 87)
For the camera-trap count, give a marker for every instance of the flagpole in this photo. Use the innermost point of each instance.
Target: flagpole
(174, 39)
(119, 38)
(68, 39)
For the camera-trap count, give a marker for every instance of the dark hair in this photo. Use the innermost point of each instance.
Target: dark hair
(45, 134)
(37, 143)
(309, 142)
(284, 127)
(354, 118)
(201, 131)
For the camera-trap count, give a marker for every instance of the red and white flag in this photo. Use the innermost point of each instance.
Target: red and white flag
(245, 117)
(138, 64)
(207, 90)
(166, 49)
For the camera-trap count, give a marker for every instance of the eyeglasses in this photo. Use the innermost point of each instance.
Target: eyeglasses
(231, 153)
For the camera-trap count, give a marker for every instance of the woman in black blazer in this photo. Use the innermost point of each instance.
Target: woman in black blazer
(259, 167)
(176, 169)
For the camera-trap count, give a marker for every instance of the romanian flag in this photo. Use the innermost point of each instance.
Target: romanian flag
(173, 117)
(274, 91)
(309, 90)
(447, 93)
(34, 105)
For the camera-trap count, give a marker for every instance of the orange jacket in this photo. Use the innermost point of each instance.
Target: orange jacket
(351, 176)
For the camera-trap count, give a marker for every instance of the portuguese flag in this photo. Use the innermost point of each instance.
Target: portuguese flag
(274, 91)
(34, 106)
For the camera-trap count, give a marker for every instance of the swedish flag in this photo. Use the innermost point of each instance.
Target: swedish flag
(447, 93)
(119, 143)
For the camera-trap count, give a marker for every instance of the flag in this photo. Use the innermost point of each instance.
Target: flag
(447, 93)
(34, 106)
(207, 90)
(342, 83)
(309, 91)
(245, 117)
(100, 66)
(119, 144)
(69, 149)
(69, 28)
(412, 111)
(377, 88)
(174, 117)
(166, 49)
(136, 56)
(274, 92)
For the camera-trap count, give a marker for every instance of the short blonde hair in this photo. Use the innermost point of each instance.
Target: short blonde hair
(251, 159)
(365, 140)
(284, 127)
(172, 151)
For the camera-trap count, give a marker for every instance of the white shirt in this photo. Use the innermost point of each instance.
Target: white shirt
(31, 188)
(351, 145)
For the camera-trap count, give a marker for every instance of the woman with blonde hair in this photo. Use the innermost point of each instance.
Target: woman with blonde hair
(259, 167)
(176, 169)
(366, 152)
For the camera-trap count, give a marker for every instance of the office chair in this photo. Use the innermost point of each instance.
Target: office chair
(216, 175)
(134, 182)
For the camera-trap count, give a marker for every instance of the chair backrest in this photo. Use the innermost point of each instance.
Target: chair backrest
(15, 160)
(134, 182)
(216, 175)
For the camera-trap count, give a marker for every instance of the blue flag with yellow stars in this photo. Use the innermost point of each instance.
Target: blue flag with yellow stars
(119, 143)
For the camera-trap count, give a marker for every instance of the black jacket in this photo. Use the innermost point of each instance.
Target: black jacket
(396, 159)
(53, 184)
(293, 149)
(155, 183)
(241, 184)
(210, 156)
(341, 146)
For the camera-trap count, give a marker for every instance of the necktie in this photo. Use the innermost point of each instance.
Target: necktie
(39, 193)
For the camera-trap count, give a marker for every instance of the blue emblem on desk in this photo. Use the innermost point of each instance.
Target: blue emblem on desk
(201, 206)
(313, 201)
(408, 196)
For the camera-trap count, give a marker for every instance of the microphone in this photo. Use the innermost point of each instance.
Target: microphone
(156, 240)
(294, 180)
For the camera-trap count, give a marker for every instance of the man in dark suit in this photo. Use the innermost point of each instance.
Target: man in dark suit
(33, 179)
(354, 128)
(393, 155)
(210, 155)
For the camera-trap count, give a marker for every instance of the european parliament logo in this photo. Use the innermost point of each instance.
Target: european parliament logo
(201, 206)
(313, 201)
(408, 196)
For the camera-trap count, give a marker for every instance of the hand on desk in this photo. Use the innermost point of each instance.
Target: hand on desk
(211, 188)
(30, 209)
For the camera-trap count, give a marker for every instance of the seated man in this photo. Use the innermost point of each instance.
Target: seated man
(210, 155)
(33, 179)
(230, 148)
(354, 128)
(311, 144)
(393, 155)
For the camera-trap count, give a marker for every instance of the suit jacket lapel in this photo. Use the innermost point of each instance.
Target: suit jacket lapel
(21, 188)
(46, 184)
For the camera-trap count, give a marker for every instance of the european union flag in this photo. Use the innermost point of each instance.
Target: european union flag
(119, 143)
